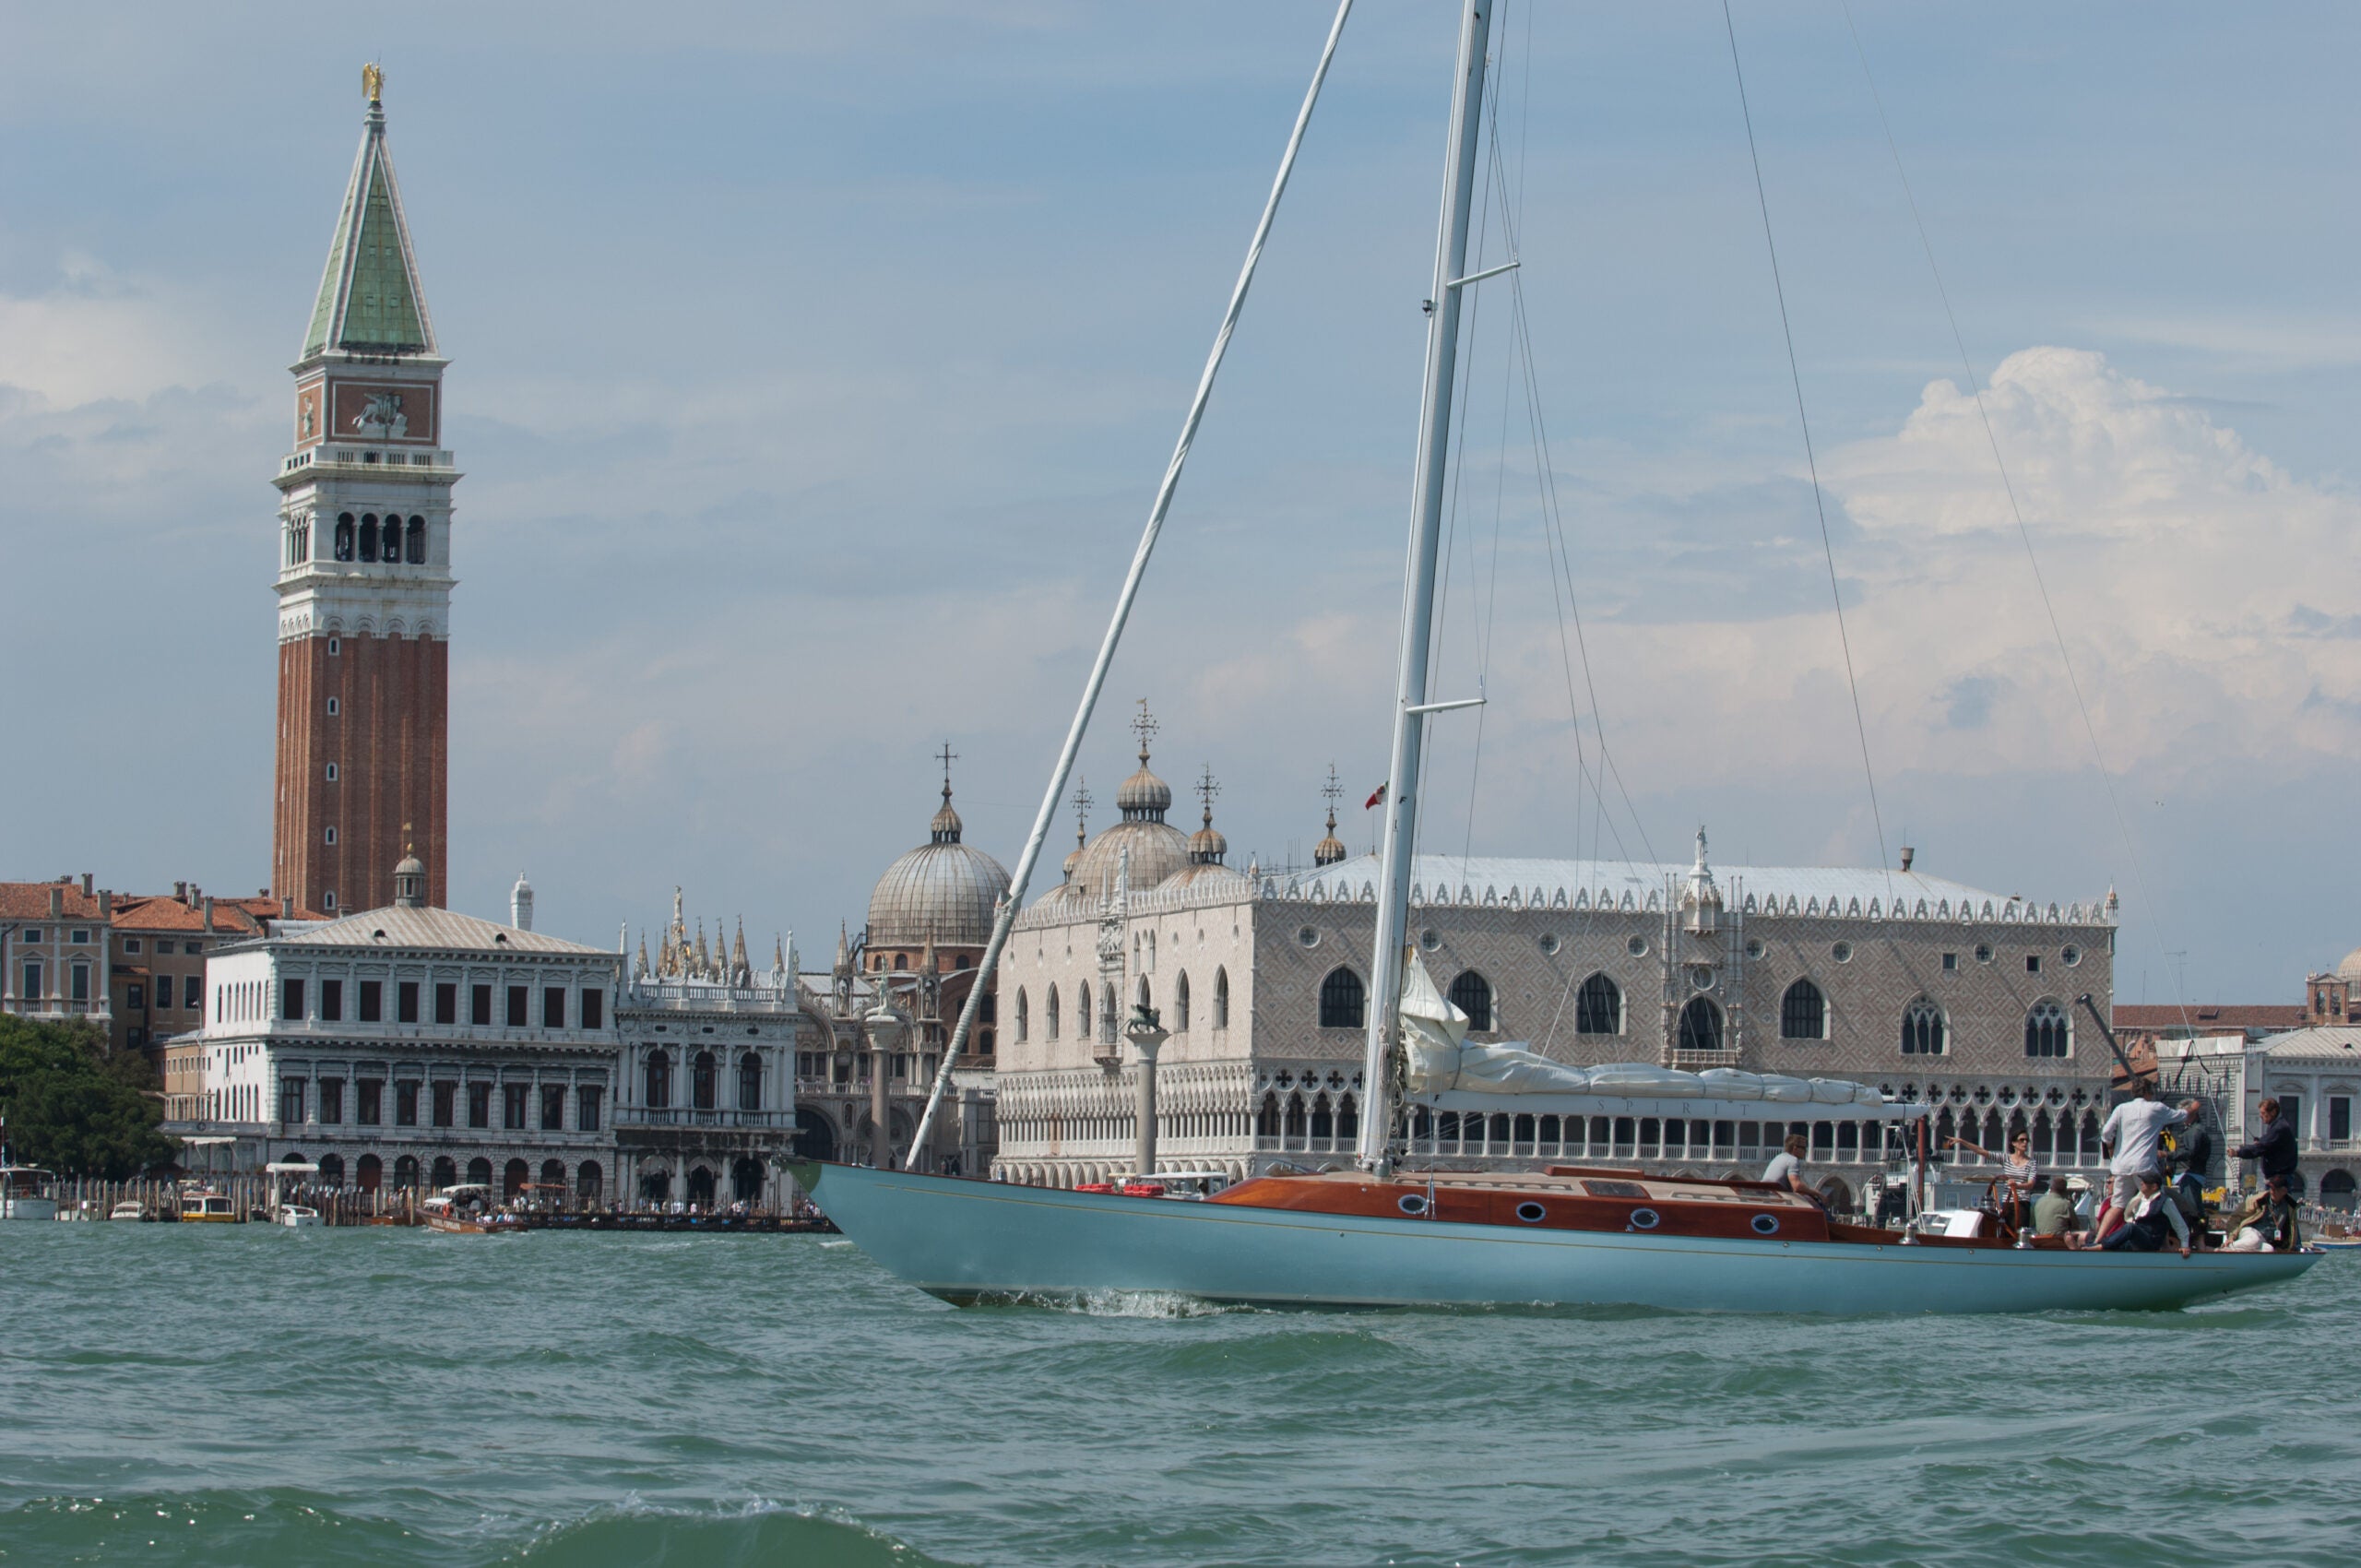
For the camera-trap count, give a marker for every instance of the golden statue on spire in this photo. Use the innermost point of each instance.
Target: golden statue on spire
(373, 80)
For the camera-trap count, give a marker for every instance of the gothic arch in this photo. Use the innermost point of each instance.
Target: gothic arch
(1472, 995)
(1344, 1000)
(1803, 1012)
(1598, 1008)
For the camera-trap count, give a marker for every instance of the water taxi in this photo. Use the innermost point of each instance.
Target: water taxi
(208, 1207)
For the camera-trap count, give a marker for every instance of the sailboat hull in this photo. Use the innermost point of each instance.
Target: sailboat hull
(969, 1241)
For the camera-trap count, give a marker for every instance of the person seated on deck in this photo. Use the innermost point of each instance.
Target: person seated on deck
(1786, 1168)
(2267, 1224)
(2053, 1212)
(2147, 1218)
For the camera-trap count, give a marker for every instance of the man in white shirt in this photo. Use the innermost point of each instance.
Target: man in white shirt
(2132, 1136)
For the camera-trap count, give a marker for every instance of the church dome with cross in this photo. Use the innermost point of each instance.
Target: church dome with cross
(943, 892)
(1158, 850)
(1204, 871)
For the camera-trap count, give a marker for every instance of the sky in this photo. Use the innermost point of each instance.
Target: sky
(813, 368)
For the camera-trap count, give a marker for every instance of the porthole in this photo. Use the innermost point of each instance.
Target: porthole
(1646, 1219)
(1412, 1204)
(1429, 939)
(1637, 946)
(1548, 943)
(1754, 948)
(1766, 1224)
(1701, 976)
(2070, 955)
(1531, 1213)
(1983, 952)
(1842, 952)
(1307, 936)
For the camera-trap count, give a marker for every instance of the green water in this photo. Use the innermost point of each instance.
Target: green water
(244, 1395)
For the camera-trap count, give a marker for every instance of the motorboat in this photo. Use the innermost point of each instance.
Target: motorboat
(467, 1210)
(205, 1206)
(26, 1192)
(129, 1208)
(1394, 1232)
(297, 1216)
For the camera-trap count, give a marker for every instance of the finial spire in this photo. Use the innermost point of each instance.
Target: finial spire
(1082, 803)
(373, 81)
(1145, 727)
(1208, 788)
(1335, 792)
(947, 757)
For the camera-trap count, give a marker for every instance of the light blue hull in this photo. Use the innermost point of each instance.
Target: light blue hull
(969, 1241)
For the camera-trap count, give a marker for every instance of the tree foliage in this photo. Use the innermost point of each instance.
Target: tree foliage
(76, 1106)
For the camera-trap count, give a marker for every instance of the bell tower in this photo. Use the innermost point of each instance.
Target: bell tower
(364, 568)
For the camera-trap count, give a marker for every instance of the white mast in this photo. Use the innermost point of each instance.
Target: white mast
(1097, 678)
(1401, 801)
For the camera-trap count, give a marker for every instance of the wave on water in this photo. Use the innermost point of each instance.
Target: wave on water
(1128, 1303)
(299, 1529)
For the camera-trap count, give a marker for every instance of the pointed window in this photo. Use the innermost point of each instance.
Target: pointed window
(1082, 1011)
(1023, 1016)
(2049, 1032)
(414, 547)
(1598, 1008)
(1923, 1032)
(1472, 995)
(1221, 998)
(1803, 1013)
(1181, 1004)
(1700, 1025)
(1343, 1000)
(1050, 1013)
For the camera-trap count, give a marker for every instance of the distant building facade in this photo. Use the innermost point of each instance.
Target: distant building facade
(707, 1105)
(2314, 1074)
(412, 1045)
(1936, 991)
(55, 961)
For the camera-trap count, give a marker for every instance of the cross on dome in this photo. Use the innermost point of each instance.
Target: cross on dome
(1208, 788)
(1144, 726)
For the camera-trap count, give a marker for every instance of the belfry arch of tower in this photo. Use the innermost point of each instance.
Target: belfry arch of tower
(364, 568)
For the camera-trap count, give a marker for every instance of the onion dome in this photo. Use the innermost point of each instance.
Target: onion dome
(1157, 849)
(2349, 967)
(944, 890)
(1331, 850)
(1206, 848)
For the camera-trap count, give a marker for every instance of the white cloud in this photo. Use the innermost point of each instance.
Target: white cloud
(2205, 595)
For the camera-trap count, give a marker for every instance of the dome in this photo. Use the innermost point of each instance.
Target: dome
(1206, 846)
(1144, 795)
(943, 891)
(2349, 966)
(411, 865)
(1158, 849)
(1206, 876)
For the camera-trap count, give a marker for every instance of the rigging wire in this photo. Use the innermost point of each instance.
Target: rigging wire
(1820, 502)
(2008, 486)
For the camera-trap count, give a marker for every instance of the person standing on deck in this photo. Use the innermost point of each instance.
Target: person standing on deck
(2274, 1146)
(2130, 1138)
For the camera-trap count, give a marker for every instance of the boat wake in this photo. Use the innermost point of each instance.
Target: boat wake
(1160, 1304)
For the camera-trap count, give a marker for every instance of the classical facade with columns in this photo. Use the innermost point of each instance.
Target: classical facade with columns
(709, 1048)
(1939, 991)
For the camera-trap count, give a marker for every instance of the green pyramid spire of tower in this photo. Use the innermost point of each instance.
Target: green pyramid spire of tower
(370, 301)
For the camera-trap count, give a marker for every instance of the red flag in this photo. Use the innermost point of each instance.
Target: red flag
(1375, 800)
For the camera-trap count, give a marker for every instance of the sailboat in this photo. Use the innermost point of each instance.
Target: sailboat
(1386, 1234)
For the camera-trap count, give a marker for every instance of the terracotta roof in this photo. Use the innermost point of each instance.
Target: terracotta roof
(29, 901)
(164, 912)
(2208, 1017)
